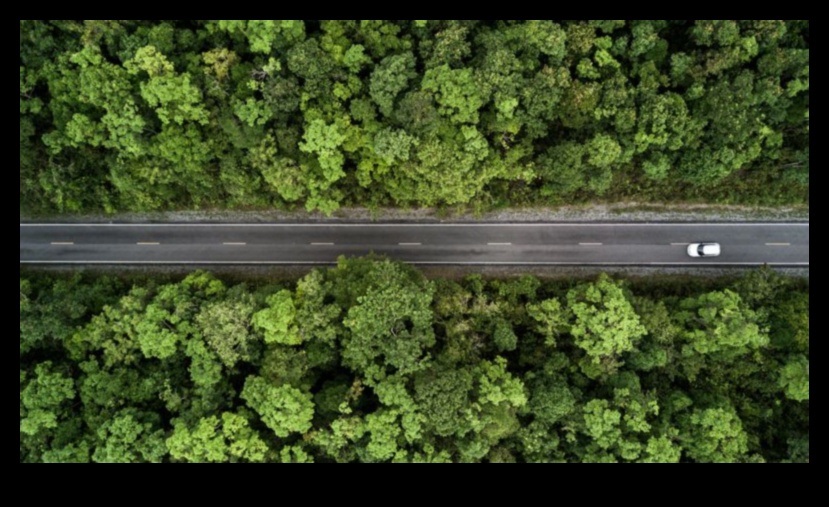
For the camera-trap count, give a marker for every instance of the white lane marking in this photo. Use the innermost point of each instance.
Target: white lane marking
(147, 243)
(450, 224)
(322, 244)
(499, 244)
(680, 244)
(778, 244)
(448, 263)
(234, 244)
(410, 244)
(62, 243)
(590, 244)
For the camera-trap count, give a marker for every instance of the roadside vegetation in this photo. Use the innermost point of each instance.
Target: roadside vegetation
(156, 115)
(369, 361)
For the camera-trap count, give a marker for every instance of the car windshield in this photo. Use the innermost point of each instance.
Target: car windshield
(701, 249)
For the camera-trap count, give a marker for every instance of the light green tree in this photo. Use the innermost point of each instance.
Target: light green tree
(720, 323)
(714, 435)
(173, 96)
(277, 321)
(130, 437)
(284, 409)
(324, 141)
(458, 96)
(550, 318)
(216, 440)
(263, 35)
(604, 321)
(794, 378)
(43, 398)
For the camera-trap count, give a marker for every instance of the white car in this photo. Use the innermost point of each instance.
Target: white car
(704, 249)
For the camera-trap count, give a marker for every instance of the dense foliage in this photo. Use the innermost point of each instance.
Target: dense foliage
(147, 115)
(370, 362)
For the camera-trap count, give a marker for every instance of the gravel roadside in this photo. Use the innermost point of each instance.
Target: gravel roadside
(289, 273)
(619, 212)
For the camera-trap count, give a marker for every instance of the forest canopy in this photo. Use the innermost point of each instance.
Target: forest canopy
(120, 115)
(369, 361)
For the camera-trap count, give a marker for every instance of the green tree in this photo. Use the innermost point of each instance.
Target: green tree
(389, 78)
(550, 318)
(216, 440)
(499, 397)
(277, 321)
(794, 378)
(450, 171)
(443, 396)
(226, 328)
(458, 96)
(323, 140)
(174, 97)
(661, 450)
(284, 409)
(605, 323)
(390, 324)
(715, 435)
(130, 437)
(263, 35)
(504, 337)
(719, 322)
(550, 400)
(602, 424)
(43, 398)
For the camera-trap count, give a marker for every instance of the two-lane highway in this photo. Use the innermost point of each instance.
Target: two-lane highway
(783, 244)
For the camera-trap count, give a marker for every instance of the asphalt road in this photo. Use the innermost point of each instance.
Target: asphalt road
(784, 244)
